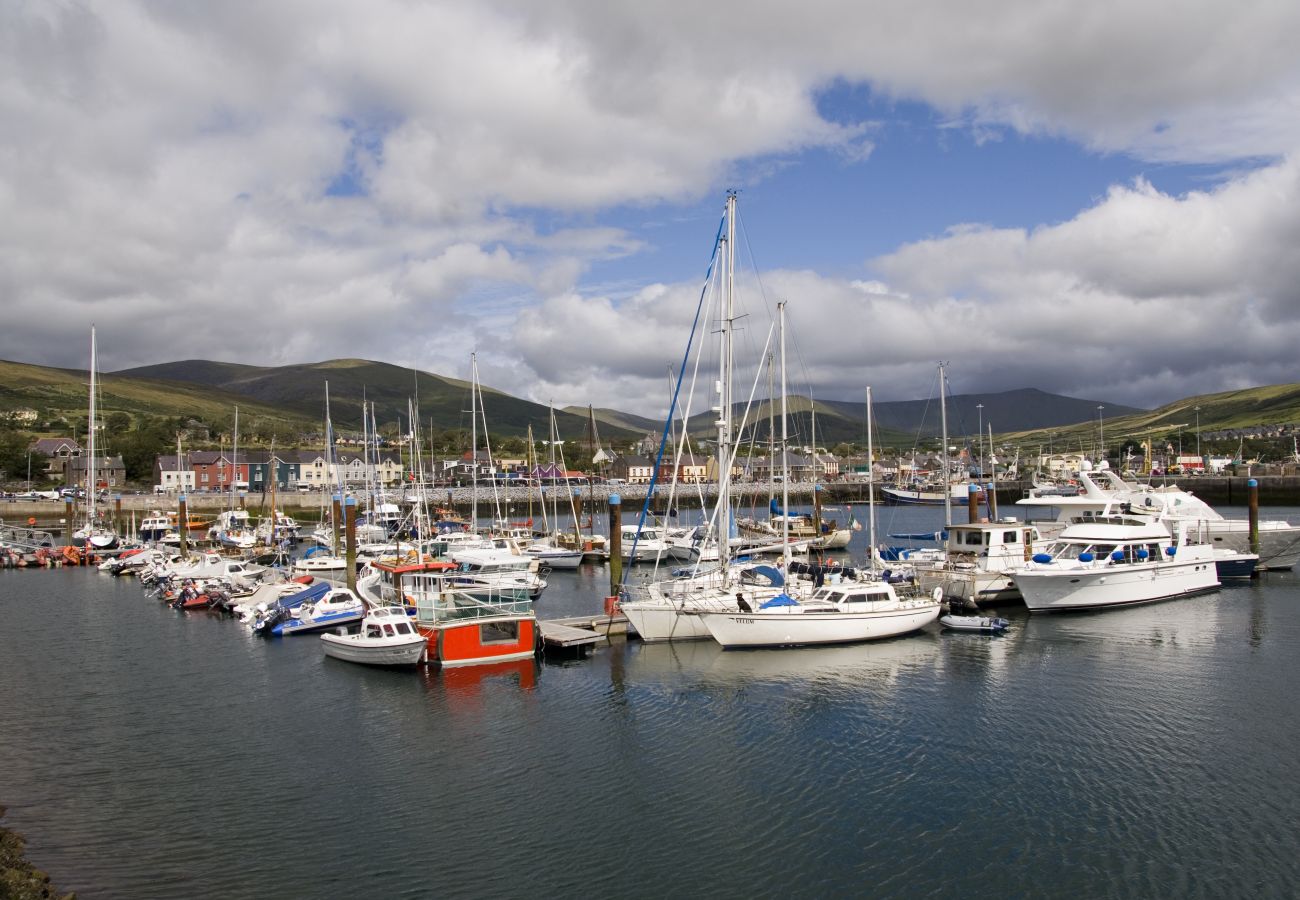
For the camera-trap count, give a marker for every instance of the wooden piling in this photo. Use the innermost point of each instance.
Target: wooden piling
(117, 514)
(337, 522)
(991, 488)
(67, 521)
(350, 517)
(1252, 504)
(972, 503)
(615, 544)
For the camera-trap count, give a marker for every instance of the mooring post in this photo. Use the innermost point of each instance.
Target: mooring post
(182, 521)
(1252, 504)
(337, 522)
(615, 551)
(67, 520)
(972, 502)
(992, 489)
(117, 513)
(350, 517)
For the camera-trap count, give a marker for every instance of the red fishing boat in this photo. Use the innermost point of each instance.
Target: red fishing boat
(462, 629)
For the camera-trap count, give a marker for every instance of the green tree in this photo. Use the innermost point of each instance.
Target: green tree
(14, 446)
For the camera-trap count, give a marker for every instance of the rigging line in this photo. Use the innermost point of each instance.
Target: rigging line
(668, 420)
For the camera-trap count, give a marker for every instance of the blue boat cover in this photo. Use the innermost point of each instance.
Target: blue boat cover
(774, 508)
(312, 592)
(780, 600)
(773, 575)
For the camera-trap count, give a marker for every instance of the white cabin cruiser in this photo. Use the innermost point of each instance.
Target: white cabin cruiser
(1115, 561)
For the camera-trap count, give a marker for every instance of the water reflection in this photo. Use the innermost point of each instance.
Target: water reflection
(467, 682)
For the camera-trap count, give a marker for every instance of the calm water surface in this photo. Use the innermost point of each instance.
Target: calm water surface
(1138, 752)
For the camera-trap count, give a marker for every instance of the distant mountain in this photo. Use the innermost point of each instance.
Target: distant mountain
(904, 422)
(443, 401)
(295, 396)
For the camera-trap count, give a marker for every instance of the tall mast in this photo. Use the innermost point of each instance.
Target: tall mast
(90, 435)
(234, 461)
(724, 389)
(943, 450)
(473, 444)
(785, 452)
(871, 489)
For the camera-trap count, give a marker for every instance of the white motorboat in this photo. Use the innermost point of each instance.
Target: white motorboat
(553, 556)
(1103, 493)
(339, 607)
(648, 545)
(387, 638)
(1115, 561)
(838, 614)
(977, 564)
(154, 527)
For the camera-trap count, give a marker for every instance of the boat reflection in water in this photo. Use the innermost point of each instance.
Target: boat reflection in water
(874, 660)
(469, 681)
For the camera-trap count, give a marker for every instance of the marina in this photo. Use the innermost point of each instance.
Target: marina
(128, 723)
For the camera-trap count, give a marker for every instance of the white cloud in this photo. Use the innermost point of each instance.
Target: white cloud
(167, 168)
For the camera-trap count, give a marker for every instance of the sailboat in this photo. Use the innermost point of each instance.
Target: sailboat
(840, 612)
(673, 609)
(940, 488)
(550, 552)
(93, 534)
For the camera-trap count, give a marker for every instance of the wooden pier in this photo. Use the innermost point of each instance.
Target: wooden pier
(576, 633)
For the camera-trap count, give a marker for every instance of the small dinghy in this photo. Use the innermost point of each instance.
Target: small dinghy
(971, 622)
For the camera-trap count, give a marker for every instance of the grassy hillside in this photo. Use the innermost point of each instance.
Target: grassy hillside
(1269, 405)
(445, 402)
(64, 393)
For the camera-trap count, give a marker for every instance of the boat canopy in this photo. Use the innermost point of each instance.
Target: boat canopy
(314, 592)
(780, 600)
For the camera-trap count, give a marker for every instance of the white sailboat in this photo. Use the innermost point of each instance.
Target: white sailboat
(93, 534)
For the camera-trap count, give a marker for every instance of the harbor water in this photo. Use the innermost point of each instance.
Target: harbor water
(1141, 752)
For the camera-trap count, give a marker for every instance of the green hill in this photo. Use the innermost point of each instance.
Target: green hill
(445, 402)
(63, 393)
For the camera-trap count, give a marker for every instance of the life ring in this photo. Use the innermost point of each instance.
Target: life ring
(31, 520)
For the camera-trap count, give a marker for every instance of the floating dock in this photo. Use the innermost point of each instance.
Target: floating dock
(580, 632)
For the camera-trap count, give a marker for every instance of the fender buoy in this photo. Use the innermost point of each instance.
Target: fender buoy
(31, 520)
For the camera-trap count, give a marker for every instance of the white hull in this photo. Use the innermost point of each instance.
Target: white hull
(1074, 589)
(391, 652)
(975, 585)
(773, 629)
(657, 620)
(555, 558)
(836, 540)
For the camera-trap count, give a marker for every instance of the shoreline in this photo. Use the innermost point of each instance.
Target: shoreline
(19, 879)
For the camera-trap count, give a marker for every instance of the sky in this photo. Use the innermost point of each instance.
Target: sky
(1100, 200)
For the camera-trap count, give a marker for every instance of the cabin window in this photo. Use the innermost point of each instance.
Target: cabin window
(372, 631)
(974, 539)
(403, 628)
(856, 598)
(498, 633)
(1010, 537)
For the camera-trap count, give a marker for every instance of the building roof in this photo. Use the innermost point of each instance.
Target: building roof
(51, 446)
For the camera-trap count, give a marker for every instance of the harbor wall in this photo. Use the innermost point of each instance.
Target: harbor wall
(1274, 490)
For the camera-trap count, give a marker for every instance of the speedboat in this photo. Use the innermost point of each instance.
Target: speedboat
(339, 607)
(387, 638)
(1115, 561)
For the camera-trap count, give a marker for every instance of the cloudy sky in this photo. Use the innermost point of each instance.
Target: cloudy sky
(1100, 199)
